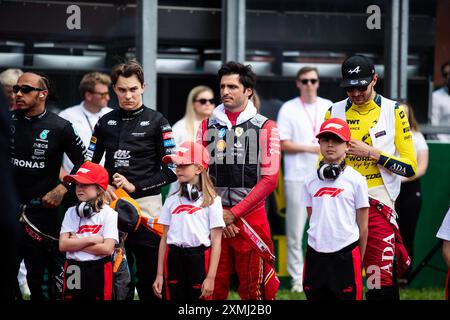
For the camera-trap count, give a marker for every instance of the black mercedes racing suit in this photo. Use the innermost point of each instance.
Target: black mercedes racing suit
(134, 144)
(37, 147)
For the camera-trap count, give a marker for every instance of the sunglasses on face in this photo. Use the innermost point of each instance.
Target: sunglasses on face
(204, 101)
(357, 88)
(25, 89)
(305, 81)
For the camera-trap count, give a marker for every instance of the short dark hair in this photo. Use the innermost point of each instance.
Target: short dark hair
(306, 70)
(127, 69)
(246, 75)
(447, 63)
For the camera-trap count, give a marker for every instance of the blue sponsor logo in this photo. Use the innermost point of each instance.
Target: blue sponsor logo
(91, 147)
(222, 132)
(380, 134)
(169, 143)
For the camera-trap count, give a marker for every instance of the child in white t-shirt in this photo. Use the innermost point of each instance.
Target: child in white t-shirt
(88, 236)
(337, 203)
(444, 234)
(190, 246)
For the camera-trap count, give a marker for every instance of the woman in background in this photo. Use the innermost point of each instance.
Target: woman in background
(199, 105)
(409, 201)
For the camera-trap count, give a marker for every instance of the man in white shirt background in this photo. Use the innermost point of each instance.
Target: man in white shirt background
(440, 112)
(94, 88)
(299, 121)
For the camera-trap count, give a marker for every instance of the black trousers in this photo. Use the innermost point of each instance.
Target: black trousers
(39, 257)
(333, 276)
(185, 271)
(88, 280)
(142, 253)
(408, 206)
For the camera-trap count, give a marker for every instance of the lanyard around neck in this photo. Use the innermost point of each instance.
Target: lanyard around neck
(313, 122)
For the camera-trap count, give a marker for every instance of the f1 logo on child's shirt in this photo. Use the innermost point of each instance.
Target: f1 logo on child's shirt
(333, 192)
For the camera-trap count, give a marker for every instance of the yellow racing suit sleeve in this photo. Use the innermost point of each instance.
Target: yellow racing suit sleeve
(406, 163)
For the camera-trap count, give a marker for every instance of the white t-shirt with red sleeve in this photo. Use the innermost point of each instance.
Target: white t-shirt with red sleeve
(103, 223)
(332, 225)
(189, 224)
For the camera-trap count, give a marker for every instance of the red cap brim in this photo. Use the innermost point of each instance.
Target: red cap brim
(79, 179)
(335, 133)
(173, 158)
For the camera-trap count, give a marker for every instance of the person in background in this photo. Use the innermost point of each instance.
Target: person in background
(199, 105)
(409, 200)
(440, 112)
(8, 79)
(256, 100)
(84, 116)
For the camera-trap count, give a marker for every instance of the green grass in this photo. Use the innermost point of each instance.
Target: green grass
(405, 294)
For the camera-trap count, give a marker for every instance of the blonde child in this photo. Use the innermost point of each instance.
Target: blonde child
(190, 246)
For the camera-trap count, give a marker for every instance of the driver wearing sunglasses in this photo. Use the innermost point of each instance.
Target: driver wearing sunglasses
(382, 150)
(39, 139)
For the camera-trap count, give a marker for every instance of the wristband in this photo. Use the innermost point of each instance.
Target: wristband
(66, 184)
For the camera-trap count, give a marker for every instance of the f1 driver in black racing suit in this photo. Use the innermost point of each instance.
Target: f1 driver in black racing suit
(39, 138)
(134, 139)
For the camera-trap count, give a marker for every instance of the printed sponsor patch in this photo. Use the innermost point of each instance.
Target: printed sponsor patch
(167, 135)
(239, 131)
(380, 134)
(222, 132)
(94, 139)
(220, 146)
(170, 150)
(169, 143)
(166, 128)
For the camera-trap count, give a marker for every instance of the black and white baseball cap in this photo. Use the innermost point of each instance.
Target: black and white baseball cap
(357, 70)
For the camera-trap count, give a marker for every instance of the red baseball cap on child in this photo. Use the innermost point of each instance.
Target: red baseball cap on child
(90, 173)
(189, 153)
(336, 126)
